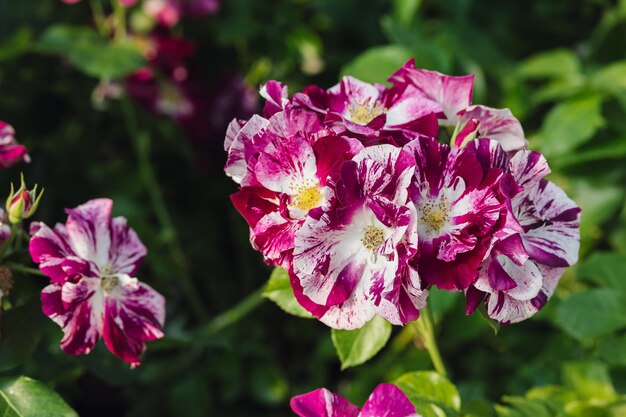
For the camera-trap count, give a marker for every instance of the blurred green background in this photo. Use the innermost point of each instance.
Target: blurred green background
(559, 65)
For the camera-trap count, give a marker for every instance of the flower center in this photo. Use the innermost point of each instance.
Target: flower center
(373, 238)
(109, 284)
(307, 196)
(434, 215)
(364, 112)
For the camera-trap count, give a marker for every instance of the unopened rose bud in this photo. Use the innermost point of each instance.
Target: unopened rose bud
(22, 203)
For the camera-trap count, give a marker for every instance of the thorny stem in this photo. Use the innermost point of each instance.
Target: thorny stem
(141, 143)
(425, 330)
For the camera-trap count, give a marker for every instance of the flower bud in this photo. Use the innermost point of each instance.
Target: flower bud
(22, 203)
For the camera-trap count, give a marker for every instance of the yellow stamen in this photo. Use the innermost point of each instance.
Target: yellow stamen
(373, 238)
(365, 112)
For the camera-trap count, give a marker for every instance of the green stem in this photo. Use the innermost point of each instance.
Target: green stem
(234, 314)
(425, 330)
(119, 15)
(141, 141)
(99, 17)
(25, 270)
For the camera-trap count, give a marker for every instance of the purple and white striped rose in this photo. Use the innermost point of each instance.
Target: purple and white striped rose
(93, 294)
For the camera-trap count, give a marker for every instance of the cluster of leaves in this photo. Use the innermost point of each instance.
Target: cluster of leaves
(560, 70)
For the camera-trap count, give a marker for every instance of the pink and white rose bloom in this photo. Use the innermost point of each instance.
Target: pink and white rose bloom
(385, 400)
(286, 165)
(351, 260)
(514, 290)
(451, 98)
(446, 94)
(91, 262)
(496, 124)
(389, 210)
(372, 111)
(11, 152)
(460, 207)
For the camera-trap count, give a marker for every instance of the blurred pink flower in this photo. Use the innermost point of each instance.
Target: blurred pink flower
(126, 3)
(169, 12)
(11, 152)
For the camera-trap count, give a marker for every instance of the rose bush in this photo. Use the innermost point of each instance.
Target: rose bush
(405, 212)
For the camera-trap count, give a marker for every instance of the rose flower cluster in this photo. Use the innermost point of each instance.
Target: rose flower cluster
(370, 194)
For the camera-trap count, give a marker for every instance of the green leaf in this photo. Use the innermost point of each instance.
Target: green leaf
(426, 389)
(16, 344)
(89, 52)
(355, 347)
(610, 79)
(570, 124)
(599, 202)
(25, 397)
(478, 408)
(17, 44)
(608, 150)
(503, 411)
(376, 64)
(590, 380)
(584, 409)
(613, 350)
(605, 269)
(528, 407)
(558, 63)
(278, 289)
(404, 10)
(592, 313)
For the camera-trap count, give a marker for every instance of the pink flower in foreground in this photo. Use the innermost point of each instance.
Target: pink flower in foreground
(385, 400)
(446, 93)
(91, 261)
(372, 111)
(11, 152)
(514, 290)
(351, 260)
(286, 166)
(460, 208)
(451, 97)
(496, 124)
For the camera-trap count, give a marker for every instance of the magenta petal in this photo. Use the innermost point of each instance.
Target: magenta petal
(275, 93)
(552, 224)
(322, 403)
(134, 314)
(89, 230)
(56, 259)
(11, 152)
(450, 94)
(389, 401)
(497, 124)
(70, 306)
(473, 298)
(499, 279)
(126, 251)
